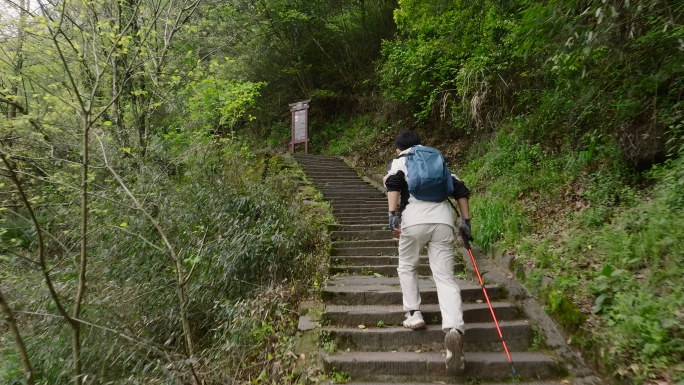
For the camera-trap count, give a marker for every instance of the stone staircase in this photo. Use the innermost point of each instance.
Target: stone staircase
(364, 290)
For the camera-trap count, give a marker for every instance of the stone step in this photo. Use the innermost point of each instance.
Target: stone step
(342, 181)
(360, 235)
(371, 260)
(383, 270)
(354, 195)
(346, 200)
(478, 337)
(377, 217)
(381, 203)
(394, 314)
(365, 209)
(356, 290)
(332, 171)
(357, 228)
(426, 366)
(324, 165)
(320, 165)
(318, 160)
(333, 177)
(337, 180)
(349, 191)
(364, 251)
(341, 184)
(351, 200)
(373, 243)
(395, 382)
(312, 156)
(362, 221)
(343, 187)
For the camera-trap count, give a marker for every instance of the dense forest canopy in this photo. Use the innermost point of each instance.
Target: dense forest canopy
(148, 238)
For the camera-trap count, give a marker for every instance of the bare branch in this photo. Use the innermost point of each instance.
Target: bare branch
(41, 245)
(139, 236)
(159, 350)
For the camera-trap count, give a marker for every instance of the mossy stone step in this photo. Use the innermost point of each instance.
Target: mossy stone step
(359, 228)
(362, 221)
(478, 337)
(390, 250)
(374, 260)
(360, 290)
(361, 235)
(364, 243)
(353, 315)
(426, 366)
(383, 270)
(362, 210)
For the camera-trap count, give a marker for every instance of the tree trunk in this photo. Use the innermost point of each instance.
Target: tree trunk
(76, 327)
(19, 63)
(18, 341)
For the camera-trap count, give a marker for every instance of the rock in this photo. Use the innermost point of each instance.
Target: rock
(306, 324)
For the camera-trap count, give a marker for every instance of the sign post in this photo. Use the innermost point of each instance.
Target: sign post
(300, 125)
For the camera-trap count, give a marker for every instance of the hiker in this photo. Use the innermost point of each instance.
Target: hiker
(423, 217)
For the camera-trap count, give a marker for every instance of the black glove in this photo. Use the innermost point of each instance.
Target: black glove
(394, 221)
(464, 229)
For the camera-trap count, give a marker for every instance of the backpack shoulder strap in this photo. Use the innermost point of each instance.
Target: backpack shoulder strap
(407, 154)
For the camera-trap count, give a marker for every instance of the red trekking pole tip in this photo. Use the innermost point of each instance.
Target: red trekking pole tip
(466, 240)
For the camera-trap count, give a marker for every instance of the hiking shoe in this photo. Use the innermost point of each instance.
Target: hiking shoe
(414, 321)
(455, 360)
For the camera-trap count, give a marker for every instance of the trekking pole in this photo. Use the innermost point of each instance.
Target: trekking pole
(479, 277)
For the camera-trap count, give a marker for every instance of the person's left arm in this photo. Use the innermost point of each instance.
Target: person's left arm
(462, 195)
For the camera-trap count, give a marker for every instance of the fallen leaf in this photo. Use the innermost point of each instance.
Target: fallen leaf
(362, 326)
(393, 351)
(479, 301)
(417, 351)
(565, 382)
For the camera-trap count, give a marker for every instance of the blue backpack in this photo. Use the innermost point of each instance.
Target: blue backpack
(429, 178)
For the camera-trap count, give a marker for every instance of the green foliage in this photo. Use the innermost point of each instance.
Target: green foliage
(194, 255)
(324, 51)
(629, 269)
(215, 102)
(560, 69)
(446, 53)
(339, 377)
(346, 136)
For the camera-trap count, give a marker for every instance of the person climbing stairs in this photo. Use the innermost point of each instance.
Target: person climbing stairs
(363, 300)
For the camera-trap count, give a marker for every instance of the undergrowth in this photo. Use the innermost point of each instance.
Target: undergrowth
(624, 276)
(612, 251)
(250, 249)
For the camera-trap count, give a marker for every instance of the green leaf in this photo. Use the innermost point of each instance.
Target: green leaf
(599, 303)
(607, 271)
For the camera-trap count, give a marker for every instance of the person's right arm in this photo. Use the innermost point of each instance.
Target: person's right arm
(393, 182)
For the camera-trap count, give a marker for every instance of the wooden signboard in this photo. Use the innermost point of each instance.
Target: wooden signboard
(300, 125)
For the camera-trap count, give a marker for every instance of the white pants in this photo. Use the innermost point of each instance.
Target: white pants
(440, 242)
